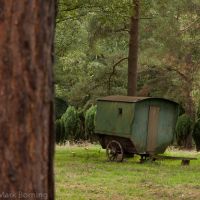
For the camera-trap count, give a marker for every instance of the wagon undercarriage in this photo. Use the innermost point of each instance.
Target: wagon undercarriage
(118, 148)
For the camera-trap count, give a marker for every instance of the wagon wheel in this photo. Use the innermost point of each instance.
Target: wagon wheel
(115, 151)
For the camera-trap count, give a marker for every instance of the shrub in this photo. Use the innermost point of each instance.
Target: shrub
(90, 123)
(60, 107)
(196, 134)
(82, 125)
(183, 129)
(71, 124)
(60, 137)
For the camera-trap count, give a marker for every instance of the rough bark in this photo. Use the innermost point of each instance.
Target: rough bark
(26, 99)
(133, 50)
(187, 87)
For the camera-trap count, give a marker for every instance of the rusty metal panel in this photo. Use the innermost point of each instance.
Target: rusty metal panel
(152, 128)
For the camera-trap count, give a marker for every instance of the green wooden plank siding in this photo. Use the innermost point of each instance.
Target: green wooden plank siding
(168, 117)
(140, 125)
(166, 124)
(111, 122)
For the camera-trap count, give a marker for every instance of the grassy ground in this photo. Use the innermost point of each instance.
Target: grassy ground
(85, 174)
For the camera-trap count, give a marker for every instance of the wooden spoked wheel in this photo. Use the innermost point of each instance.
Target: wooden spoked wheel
(114, 151)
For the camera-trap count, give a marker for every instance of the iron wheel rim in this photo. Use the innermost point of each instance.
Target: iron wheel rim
(114, 151)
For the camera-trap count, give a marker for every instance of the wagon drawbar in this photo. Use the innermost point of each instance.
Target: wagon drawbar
(135, 125)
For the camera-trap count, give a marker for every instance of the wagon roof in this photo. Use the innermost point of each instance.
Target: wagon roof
(130, 99)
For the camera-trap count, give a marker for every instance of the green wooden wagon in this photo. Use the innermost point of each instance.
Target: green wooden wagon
(135, 125)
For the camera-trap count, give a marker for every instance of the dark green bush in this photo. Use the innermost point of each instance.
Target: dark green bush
(60, 134)
(81, 116)
(196, 134)
(90, 123)
(75, 125)
(60, 107)
(183, 129)
(71, 124)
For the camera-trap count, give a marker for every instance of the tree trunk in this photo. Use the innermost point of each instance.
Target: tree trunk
(26, 99)
(133, 50)
(190, 111)
(189, 103)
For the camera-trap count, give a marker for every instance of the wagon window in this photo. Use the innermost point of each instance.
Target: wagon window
(120, 111)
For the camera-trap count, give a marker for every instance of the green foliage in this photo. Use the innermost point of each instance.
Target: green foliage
(81, 117)
(59, 129)
(91, 36)
(92, 75)
(74, 125)
(183, 129)
(71, 124)
(60, 107)
(90, 122)
(196, 134)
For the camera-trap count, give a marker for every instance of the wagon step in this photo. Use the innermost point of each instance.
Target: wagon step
(184, 160)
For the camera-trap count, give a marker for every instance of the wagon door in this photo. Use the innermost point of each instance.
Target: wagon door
(152, 128)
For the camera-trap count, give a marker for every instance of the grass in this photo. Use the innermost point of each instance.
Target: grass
(85, 174)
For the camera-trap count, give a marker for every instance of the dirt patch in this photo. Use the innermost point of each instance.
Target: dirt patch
(184, 192)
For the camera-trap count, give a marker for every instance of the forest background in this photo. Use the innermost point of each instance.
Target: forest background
(92, 47)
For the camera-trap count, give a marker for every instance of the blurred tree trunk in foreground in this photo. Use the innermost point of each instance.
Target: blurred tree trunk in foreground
(133, 50)
(26, 99)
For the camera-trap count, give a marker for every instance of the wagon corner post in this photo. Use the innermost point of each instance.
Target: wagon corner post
(26, 99)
